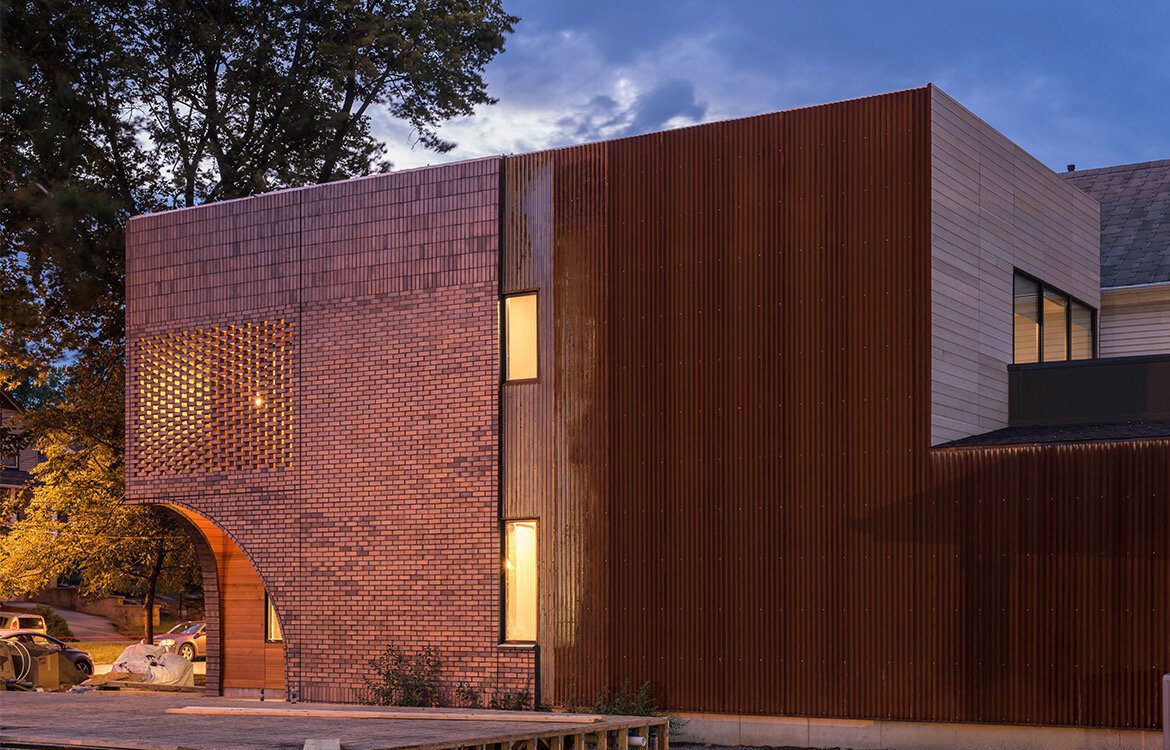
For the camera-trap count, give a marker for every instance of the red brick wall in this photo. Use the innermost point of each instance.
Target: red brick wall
(381, 525)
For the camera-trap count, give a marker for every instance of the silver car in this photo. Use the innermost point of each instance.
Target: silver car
(13, 621)
(187, 639)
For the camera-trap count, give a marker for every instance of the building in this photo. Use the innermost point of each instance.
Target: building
(14, 466)
(786, 415)
(1135, 255)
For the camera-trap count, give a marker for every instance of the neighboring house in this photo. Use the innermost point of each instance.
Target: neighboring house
(14, 466)
(1135, 255)
(798, 415)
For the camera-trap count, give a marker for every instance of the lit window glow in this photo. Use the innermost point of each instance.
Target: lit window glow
(520, 571)
(272, 632)
(520, 342)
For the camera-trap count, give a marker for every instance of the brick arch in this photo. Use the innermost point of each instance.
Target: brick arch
(239, 661)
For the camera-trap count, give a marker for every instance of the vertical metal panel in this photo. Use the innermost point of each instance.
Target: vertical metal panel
(769, 282)
(526, 409)
(1056, 562)
(748, 511)
(741, 341)
(582, 423)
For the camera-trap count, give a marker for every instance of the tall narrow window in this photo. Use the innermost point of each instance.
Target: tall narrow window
(520, 563)
(272, 632)
(1081, 334)
(1054, 332)
(1027, 320)
(520, 342)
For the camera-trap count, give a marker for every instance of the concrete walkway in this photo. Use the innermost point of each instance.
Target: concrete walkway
(91, 627)
(85, 627)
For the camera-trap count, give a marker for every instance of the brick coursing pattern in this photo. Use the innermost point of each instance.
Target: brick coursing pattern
(383, 528)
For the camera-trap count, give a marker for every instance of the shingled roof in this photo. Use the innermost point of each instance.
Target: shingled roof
(1135, 220)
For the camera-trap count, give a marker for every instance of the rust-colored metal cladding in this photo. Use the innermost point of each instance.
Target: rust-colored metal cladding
(741, 369)
(526, 408)
(768, 347)
(1048, 573)
(747, 511)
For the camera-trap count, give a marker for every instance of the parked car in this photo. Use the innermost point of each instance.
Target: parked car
(187, 639)
(10, 621)
(31, 638)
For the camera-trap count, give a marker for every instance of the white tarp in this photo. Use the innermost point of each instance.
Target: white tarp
(160, 667)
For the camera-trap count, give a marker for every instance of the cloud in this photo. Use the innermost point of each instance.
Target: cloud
(573, 74)
(559, 89)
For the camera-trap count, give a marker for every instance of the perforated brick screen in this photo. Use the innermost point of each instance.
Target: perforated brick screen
(215, 399)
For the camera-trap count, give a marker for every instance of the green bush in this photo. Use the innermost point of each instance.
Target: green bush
(54, 622)
(401, 679)
(467, 696)
(626, 703)
(518, 701)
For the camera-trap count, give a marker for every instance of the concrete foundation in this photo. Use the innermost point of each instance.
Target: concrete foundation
(719, 729)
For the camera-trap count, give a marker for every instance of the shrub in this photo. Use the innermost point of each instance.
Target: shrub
(518, 701)
(625, 703)
(401, 679)
(54, 622)
(467, 696)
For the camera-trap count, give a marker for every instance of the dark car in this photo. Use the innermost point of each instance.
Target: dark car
(187, 639)
(47, 643)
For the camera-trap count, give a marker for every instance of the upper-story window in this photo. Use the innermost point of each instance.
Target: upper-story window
(1050, 325)
(11, 460)
(520, 337)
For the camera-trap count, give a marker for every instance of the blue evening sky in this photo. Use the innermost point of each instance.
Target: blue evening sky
(1071, 81)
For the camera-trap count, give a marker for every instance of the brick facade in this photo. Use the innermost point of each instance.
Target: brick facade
(380, 524)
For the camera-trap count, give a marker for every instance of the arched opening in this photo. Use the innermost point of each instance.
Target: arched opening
(244, 647)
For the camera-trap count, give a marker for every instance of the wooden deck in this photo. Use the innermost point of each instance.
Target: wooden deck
(184, 722)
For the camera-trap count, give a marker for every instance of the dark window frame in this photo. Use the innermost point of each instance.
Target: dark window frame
(504, 337)
(1069, 300)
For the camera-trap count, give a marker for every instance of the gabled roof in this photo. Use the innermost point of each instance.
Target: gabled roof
(8, 402)
(1135, 220)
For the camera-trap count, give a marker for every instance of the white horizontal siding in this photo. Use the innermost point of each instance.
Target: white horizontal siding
(1135, 321)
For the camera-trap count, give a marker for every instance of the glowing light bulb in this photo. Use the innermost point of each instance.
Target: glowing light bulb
(259, 401)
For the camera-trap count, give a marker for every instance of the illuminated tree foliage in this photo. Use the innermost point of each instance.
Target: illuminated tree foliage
(112, 108)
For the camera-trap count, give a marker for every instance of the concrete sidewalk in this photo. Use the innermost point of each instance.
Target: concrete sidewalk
(91, 627)
(85, 627)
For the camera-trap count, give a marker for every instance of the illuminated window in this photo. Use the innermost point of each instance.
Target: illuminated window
(1054, 328)
(1049, 325)
(520, 347)
(1027, 319)
(520, 561)
(1081, 334)
(272, 632)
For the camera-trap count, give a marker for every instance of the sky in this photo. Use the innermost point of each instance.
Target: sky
(1071, 82)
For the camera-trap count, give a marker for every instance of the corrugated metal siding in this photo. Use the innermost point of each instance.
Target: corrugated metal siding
(747, 510)
(584, 554)
(1051, 580)
(526, 409)
(769, 334)
(737, 308)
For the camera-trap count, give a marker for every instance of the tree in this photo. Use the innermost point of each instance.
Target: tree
(74, 521)
(112, 108)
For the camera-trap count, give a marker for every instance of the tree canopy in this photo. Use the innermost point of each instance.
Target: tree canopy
(112, 108)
